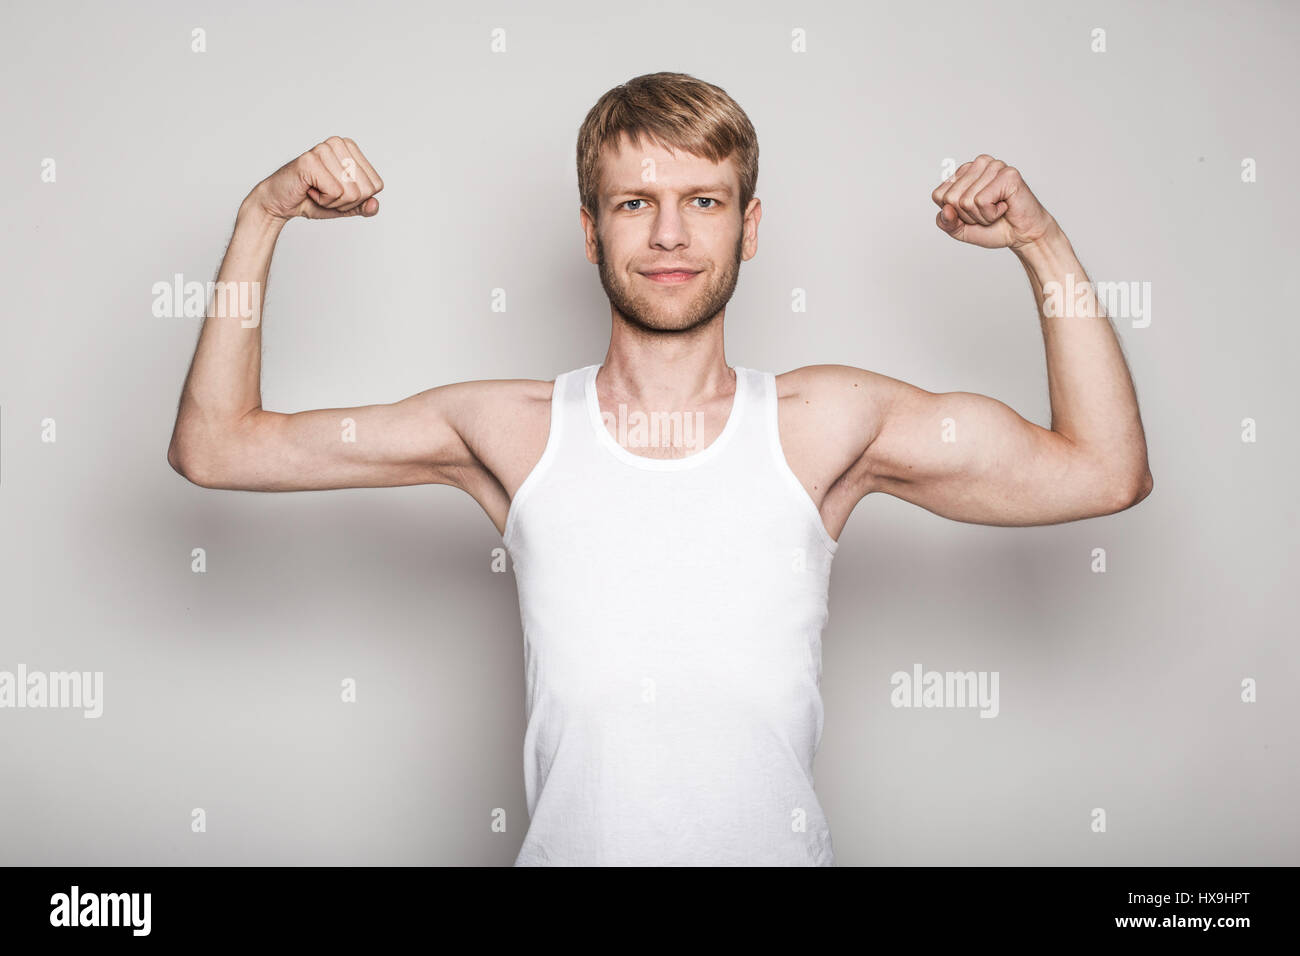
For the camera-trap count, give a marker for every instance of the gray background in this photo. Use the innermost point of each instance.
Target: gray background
(1118, 690)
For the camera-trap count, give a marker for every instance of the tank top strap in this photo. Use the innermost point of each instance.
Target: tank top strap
(570, 425)
(755, 408)
(568, 431)
(763, 450)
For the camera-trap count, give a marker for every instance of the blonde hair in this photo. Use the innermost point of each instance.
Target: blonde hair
(676, 111)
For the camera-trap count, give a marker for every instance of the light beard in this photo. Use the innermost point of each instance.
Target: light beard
(643, 314)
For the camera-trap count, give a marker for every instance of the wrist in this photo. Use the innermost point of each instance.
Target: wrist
(254, 212)
(1051, 243)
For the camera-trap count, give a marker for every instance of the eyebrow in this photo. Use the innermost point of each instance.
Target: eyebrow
(711, 188)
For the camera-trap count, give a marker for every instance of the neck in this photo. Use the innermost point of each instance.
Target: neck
(666, 370)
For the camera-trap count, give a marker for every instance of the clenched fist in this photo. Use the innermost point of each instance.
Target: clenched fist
(986, 203)
(328, 181)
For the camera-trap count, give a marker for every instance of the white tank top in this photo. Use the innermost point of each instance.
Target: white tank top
(672, 614)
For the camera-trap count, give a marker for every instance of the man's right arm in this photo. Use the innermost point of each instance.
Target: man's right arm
(482, 436)
(410, 442)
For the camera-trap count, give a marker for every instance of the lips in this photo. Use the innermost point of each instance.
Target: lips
(669, 276)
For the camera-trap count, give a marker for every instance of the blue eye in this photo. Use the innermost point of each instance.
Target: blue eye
(708, 199)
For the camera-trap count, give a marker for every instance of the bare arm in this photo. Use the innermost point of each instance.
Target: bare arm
(221, 399)
(478, 436)
(970, 457)
(973, 458)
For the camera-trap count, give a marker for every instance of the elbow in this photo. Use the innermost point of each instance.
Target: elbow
(174, 457)
(1147, 484)
(183, 467)
(1132, 488)
(210, 457)
(189, 466)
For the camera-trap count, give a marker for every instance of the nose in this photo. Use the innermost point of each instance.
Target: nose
(669, 231)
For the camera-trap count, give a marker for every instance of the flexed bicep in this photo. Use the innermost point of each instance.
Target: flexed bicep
(973, 458)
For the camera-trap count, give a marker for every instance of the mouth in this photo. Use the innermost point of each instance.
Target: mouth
(670, 276)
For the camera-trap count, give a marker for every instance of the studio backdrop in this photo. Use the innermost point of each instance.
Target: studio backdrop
(336, 677)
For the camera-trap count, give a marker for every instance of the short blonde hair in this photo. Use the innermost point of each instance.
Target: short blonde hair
(676, 111)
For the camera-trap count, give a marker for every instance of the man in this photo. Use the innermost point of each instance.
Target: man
(672, 520)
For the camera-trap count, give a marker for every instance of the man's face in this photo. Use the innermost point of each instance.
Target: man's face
(665, 210)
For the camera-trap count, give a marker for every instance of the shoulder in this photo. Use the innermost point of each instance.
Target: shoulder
(467, 403)
(496, 411)
(503, 425)
(835, 418)
(488, 413)
(835, 395)
(828, 416)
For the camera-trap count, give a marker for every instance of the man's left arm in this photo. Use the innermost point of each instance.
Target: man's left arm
(971, 457)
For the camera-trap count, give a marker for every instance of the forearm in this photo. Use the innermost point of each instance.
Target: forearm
(1093, 400)
(224, 380)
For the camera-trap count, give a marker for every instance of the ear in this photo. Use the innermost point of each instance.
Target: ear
(588, 224)
(749, 229)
